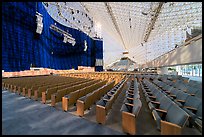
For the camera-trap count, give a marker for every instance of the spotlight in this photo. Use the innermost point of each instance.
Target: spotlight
(143, 13)
(72, 12)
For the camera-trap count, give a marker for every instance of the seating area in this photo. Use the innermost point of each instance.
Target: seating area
(167, 82)
(188, 96)
(79, 90)
(55, 86)
(117, 77)
(104, 105)
(59, 93)
(58, 86)
(22, 84)
(131, 108)
(165, 98)
(70, 99)
(88, 100)
(164, 110)
(46, 95)
(180, 85)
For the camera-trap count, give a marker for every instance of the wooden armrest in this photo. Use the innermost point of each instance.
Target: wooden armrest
(130, 98)
(130, 94)
(168, 128)
(167, 91)
(101, 106)
(172, 95)
(148, 90)
(179, 100)
(128, 113)
(164, 112)
(80, 101)
(192, 94)
(161, 110)
(152, 97)
(191, 108)
(129, 104)
(155, 102)
(149, 93)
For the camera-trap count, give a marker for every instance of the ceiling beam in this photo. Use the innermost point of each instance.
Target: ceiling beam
(86, 9)
(109, 9)
(153, 20)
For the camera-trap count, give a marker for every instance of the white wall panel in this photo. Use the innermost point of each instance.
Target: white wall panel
(189, 54)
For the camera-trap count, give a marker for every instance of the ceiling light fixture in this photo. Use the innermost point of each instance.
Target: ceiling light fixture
(143, 13)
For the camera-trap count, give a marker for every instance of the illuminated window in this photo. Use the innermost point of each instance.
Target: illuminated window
(190, 70)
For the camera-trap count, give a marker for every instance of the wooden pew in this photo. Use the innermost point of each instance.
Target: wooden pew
(73, 96)
(130, 109)
(16, 86)
(47, 94)
(47, 83)
(36, 81)
(104, 105)
(85, 102)
(57, 97)
(38, 92)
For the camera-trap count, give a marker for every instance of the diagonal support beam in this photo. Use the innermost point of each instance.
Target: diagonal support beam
(114, 21)
(86, 9)
(153, 20)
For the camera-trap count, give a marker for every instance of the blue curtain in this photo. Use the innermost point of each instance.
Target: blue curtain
(23, 47)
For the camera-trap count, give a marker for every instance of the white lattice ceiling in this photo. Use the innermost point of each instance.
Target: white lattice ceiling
(145, 29)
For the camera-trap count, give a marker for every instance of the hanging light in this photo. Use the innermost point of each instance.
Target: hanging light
(39, 18)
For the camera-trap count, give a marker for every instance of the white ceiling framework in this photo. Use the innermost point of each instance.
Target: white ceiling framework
(114, 21)
(155, 14)
(72, 14)
(161, 25)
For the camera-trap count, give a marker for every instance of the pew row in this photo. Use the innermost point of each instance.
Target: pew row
(131, 108)
(57, 97)
(71, 98)
(36, 91)
(47, 94)
(104, 105)
(85, 102)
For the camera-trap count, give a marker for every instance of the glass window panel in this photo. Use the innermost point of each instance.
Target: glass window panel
(200, 68)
